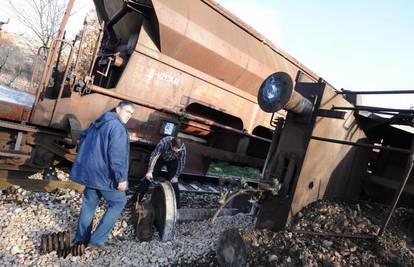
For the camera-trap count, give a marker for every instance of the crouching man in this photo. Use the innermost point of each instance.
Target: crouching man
(102, 166)
(169, 152)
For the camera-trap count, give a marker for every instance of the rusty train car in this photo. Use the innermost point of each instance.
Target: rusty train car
(194, 70)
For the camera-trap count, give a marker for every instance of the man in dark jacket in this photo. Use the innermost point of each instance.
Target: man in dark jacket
(169, 152)
(102, 166)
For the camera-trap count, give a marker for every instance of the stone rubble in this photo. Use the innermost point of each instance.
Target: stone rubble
(25, 216)
(204, 201)
(293, 248)
(61, 174)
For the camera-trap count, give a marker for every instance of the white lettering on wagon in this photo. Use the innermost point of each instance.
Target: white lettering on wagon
(162, 76)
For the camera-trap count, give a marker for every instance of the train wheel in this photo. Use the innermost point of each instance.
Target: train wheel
(165, 210)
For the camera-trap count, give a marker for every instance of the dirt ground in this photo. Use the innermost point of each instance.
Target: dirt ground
(293, 247)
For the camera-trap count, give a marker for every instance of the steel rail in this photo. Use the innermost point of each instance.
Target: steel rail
(19, 178)
(373, 109)
(387, 92)
(365, 145)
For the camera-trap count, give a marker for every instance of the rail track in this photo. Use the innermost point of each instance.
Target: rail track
(10, 178)
(208, 184)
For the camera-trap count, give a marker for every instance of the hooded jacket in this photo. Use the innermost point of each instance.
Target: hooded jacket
(103, 156)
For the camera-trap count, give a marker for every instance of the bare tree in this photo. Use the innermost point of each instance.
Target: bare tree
(41, 17)
(15, 62)
(3, 61)
(5, 47)
(17, 73)
(2, 23)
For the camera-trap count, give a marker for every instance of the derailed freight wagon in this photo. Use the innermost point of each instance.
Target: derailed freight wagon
(195, 68)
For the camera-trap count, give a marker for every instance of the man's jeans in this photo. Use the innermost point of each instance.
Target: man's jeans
(115, 200)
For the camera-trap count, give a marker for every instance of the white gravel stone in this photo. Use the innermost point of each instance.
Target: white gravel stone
(16, 250)
(273, 258)
(26, 216)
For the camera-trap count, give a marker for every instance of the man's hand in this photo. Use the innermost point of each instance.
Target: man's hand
(174, 179)
(149, 176)
(122, 186)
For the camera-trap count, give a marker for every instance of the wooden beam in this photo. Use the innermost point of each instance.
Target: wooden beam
(39, 185)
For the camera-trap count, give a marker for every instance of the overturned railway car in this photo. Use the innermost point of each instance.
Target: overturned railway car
(193, 66)
(195, 71)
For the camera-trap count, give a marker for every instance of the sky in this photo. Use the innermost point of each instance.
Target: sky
(355, 45)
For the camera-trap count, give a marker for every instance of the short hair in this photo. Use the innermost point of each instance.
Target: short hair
(125, 103)
(176, 142)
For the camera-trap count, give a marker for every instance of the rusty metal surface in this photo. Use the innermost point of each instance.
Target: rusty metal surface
(161, 81)
(29, 145)
(47, 72)
(342, 165)
(308, 169)
(181, 115)
(287, 165)
(203, 17)
(194, 64)
(107, 8)
(61, 242)
(202, 54)
(195, 31)
(62, 85)
(14, 112)
(37, 74)
(216, 6)
(165, 79)
(28, 128)
(146, 121)
(14, 104)
(13, 154)
(198, 54)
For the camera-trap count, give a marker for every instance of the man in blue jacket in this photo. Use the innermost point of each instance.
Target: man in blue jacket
(102, 166)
